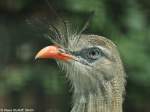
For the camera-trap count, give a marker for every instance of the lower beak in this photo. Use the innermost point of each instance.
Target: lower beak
(54, 52)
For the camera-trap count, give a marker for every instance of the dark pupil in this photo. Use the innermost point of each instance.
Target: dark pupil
(94, 53)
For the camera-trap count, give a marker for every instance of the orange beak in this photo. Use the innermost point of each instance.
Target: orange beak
(53, 52)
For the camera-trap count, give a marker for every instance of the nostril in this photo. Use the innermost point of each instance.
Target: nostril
(62, 51)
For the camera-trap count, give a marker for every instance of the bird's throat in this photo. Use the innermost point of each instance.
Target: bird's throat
(94, 103)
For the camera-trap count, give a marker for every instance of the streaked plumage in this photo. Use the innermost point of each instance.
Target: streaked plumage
(96, 72)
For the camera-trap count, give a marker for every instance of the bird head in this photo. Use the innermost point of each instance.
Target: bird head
(90, 61)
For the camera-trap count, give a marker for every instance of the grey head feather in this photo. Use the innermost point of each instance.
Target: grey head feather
(105, 81)
(94, 88)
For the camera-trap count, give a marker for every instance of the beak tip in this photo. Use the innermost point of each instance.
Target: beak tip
(37, 56)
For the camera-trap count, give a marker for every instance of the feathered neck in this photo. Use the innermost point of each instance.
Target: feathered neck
(97, 102)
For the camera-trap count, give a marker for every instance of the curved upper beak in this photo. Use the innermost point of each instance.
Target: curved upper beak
(54, 52)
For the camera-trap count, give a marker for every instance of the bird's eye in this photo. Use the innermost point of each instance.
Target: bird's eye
(94, 53)
(89, 54)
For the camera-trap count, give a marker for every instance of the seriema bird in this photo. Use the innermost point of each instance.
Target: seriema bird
(94, 68)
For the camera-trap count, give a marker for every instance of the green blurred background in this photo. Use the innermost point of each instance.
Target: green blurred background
(40, 85)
